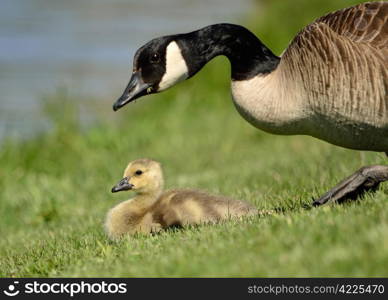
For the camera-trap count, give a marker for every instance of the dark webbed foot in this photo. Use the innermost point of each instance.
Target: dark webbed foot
(364, 180)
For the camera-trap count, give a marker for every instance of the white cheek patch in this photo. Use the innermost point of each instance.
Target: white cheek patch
(176, 68)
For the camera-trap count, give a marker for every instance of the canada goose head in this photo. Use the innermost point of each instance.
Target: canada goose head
(144, 176)
(165, 61)
(157, 65)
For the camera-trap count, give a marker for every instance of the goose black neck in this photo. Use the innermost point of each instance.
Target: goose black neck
(247, 54)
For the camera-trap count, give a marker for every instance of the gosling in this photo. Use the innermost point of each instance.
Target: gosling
(153, 209)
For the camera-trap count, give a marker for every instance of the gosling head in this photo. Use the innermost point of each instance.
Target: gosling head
(144, 176)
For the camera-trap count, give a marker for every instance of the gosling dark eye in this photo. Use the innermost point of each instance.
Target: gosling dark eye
(138, 172)
(155, 58)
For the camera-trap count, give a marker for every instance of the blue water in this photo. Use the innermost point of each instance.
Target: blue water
(85, 46)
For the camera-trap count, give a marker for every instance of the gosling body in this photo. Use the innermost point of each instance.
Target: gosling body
(193, 207)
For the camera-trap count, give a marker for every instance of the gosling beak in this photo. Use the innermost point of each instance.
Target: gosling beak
(135, 89)
(123, 185)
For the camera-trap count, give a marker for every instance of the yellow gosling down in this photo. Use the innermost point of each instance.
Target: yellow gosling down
(153, 209)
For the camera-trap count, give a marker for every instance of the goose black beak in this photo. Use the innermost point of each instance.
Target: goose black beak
(123, 185)
(135, 89)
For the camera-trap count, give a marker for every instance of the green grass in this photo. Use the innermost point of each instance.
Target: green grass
(55, 188)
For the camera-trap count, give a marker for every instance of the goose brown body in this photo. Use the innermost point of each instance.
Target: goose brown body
(331, 82)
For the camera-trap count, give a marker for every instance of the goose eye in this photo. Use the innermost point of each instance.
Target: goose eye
(138, 172)
(154, 58)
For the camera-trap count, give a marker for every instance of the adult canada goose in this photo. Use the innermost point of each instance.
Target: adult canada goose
(153, 209)
(330, 83)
